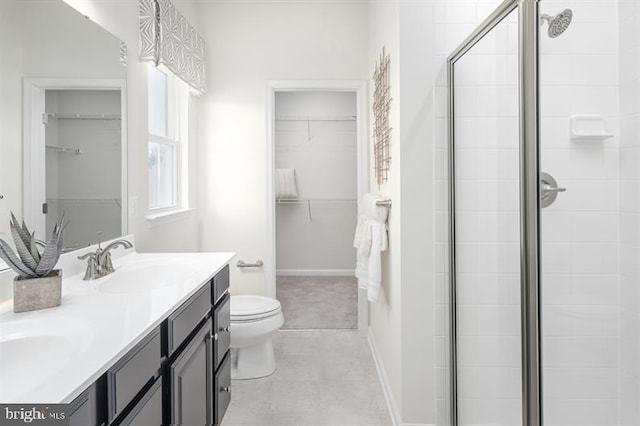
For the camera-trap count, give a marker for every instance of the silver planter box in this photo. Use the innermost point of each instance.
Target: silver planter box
(30, 294)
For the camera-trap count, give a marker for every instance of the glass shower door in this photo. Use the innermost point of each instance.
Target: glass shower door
(487, 229)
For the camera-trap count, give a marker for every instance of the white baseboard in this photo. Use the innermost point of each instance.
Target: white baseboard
(317, 272)
(394, 412)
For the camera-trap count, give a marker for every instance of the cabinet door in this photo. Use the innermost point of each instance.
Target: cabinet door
(191, 381)
(221, 326)
(85, 409)
(148, 411)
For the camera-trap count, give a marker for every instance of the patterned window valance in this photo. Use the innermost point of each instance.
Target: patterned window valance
(167, 38)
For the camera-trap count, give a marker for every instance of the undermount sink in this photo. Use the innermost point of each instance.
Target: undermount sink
(146, 277)
(25, 344)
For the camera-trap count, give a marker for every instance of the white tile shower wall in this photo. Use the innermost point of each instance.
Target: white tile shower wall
(629, 31)
(579, 76)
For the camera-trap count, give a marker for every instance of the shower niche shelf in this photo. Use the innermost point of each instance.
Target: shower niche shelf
(588, 128)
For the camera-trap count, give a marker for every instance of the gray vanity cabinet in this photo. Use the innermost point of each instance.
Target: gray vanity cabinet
(178, 374)
(191, 377)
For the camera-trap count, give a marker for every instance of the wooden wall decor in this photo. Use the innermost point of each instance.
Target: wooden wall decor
(381, 124)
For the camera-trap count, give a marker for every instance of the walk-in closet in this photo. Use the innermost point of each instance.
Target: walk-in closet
(316, 201)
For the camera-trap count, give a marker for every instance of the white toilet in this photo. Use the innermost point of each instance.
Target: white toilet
(254, 319)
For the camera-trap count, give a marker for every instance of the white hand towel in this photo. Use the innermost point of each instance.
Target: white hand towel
(370, 240)
(379, 243)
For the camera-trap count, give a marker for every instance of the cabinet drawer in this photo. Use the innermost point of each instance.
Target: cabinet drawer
(148, 411)
(222, 389)
(185, 319)
(220, 284)
(84, 410)
(221, 327)
(127, 378)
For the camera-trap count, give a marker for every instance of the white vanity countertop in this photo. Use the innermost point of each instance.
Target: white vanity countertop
(55, 354)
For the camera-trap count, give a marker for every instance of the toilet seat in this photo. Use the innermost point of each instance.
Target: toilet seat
(253, 308)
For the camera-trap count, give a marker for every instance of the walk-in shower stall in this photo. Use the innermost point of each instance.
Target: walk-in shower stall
(544, 212)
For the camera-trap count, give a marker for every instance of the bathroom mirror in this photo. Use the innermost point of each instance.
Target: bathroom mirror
(62, 122)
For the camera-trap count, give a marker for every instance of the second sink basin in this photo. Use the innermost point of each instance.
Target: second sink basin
(25, 344)
(146, 277)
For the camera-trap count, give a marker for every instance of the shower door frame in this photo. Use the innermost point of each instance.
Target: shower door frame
(529, 152)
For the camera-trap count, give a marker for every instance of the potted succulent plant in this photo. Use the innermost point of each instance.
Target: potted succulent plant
(37, 285)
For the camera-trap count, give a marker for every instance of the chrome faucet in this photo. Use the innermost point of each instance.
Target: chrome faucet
(99, 263)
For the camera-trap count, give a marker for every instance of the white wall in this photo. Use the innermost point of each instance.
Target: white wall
(385, 316)
(406, 301)
(248, 44)
(629, 32)
(317, 237)
(417, 77)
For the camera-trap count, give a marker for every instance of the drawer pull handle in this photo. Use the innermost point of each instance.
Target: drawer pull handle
(226, 389)
(226, 329)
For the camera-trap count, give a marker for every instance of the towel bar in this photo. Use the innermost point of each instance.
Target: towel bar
(386, 203)
(258, 264)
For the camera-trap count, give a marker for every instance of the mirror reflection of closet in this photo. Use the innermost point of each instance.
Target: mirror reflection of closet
(62, 97)
(83, 148)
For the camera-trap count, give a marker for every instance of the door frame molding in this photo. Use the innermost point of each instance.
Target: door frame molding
(33, 143)
(359, 87)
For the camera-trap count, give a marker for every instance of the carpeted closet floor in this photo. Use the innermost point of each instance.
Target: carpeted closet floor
(318, 302)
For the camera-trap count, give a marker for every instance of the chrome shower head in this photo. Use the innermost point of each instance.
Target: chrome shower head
(557, 24)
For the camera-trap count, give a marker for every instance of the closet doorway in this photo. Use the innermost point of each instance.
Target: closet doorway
(316, 166)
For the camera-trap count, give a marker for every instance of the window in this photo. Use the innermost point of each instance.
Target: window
(167, 157)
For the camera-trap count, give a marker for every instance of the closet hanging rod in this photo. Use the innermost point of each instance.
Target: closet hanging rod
(81, 116)
(85, 199)
(64, 149)
(319, 118)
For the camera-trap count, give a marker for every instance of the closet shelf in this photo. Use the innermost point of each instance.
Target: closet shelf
(64, 149)
(309, 201)
(315, 200)
(319, 118)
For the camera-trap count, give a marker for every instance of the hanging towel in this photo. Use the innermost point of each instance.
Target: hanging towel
(286, 184)
(362, 238)
(371, 240)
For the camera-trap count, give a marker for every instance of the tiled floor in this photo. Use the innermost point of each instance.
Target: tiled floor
(318, 302)
(323, 378)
